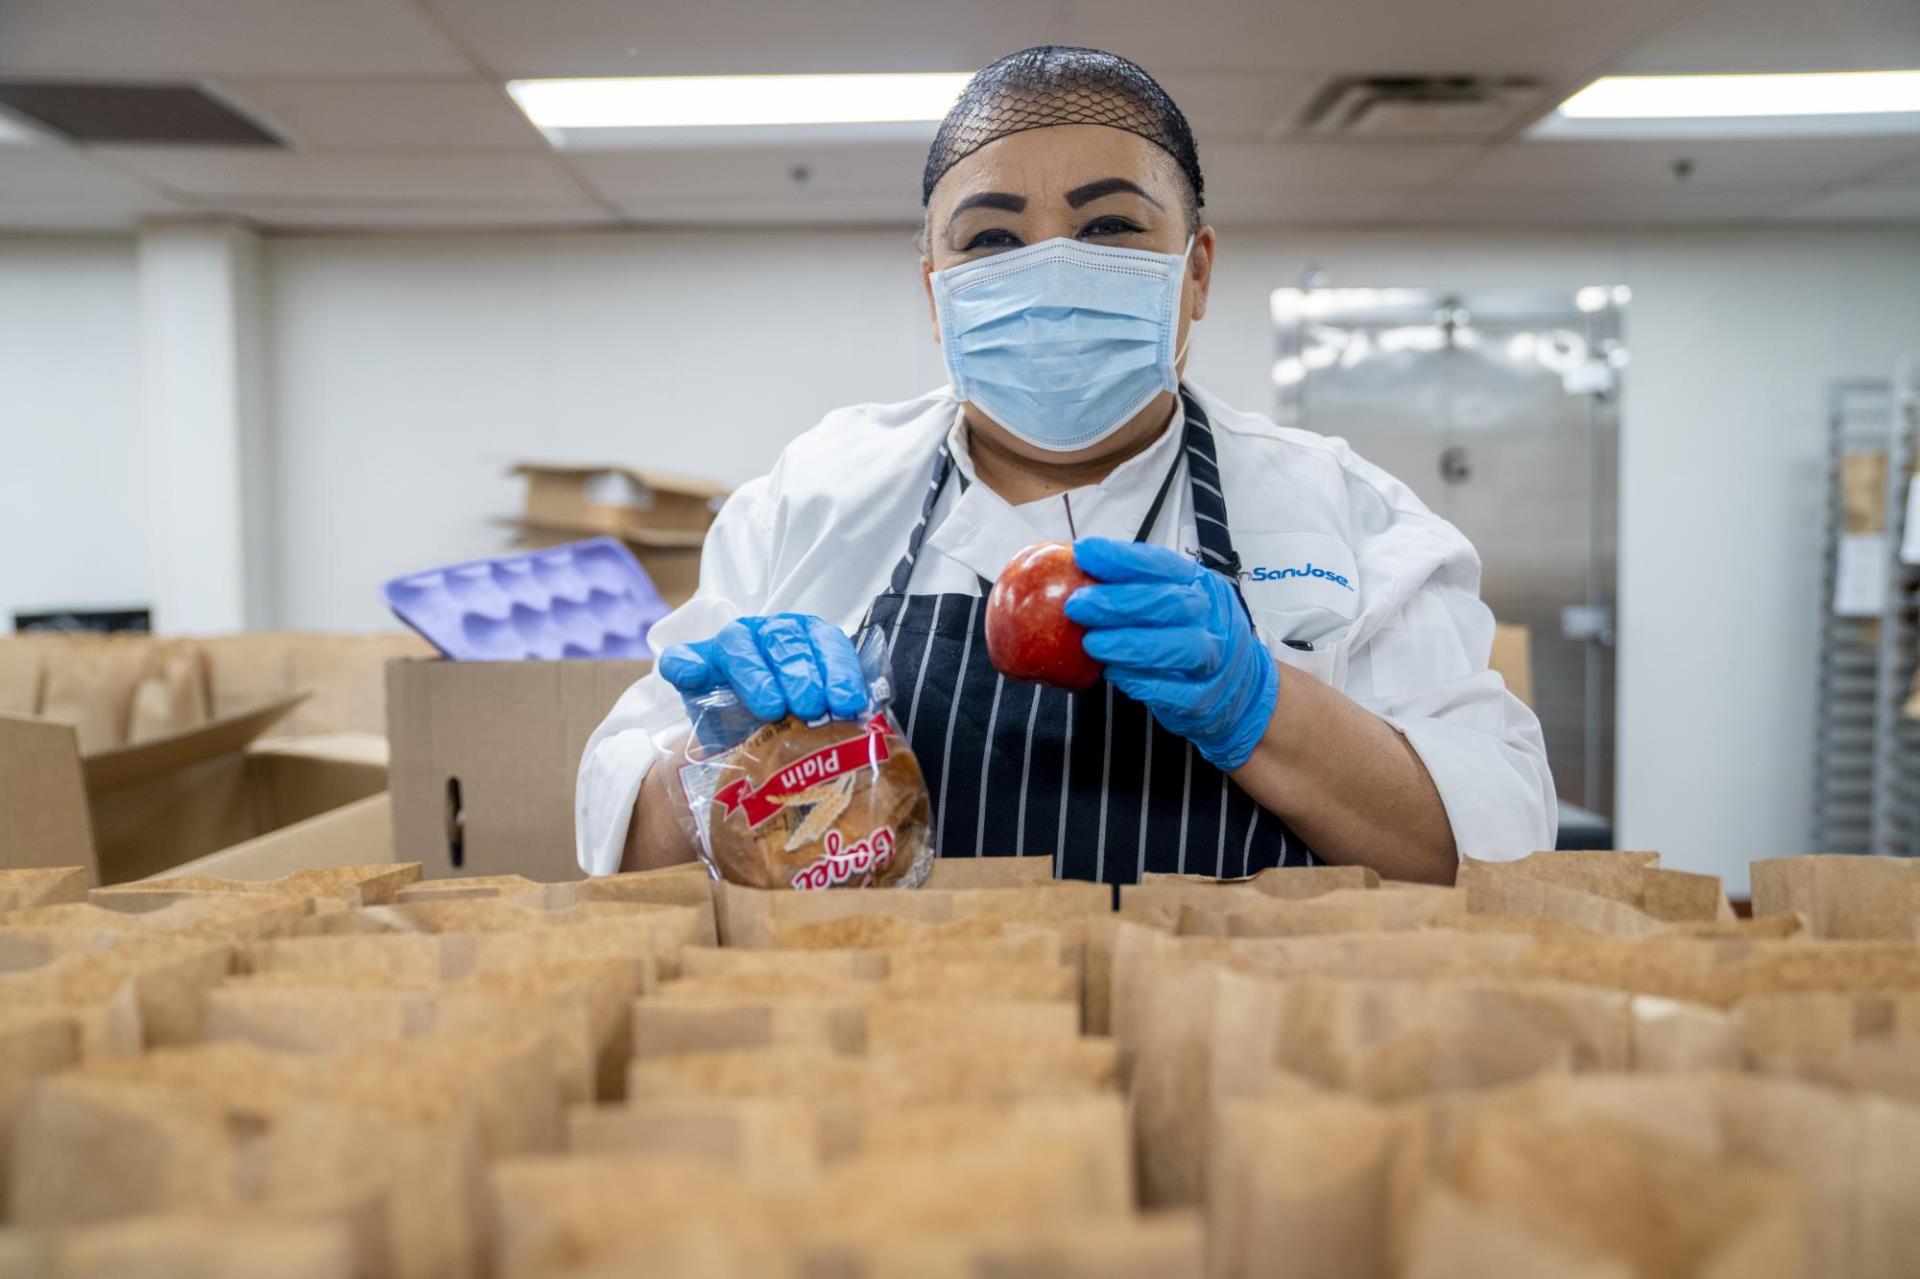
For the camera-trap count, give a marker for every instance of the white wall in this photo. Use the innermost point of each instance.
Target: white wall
(410, 372)
(407, 371)
(72, 501)
(1733, 334)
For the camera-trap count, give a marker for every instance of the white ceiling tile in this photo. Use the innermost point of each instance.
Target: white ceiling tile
(235, 174)
(1781, 35)
(1340, 204)
(885, 172)
(49, 171)
(1330, 165)
(376, 114)
(31, 213)
(348, 216)
(1641, 165)
(1906, 169)
(1240, 106)
(223, 37)
(44, 186)
(620, 37)
(1600, 203)
(1875, 201)
(1370, 36)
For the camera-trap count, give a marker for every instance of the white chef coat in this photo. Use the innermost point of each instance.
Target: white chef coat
(1348, 576)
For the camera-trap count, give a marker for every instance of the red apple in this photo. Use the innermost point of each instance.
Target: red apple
(1029, 636)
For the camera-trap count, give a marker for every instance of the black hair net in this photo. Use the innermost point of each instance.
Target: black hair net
(1052, 84)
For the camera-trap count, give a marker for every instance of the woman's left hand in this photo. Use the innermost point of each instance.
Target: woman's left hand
(1175, 636)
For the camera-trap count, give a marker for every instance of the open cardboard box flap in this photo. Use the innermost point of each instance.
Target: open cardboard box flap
(142, 809)
(122, 766)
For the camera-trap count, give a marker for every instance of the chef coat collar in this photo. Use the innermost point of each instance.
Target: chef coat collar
(982, 531)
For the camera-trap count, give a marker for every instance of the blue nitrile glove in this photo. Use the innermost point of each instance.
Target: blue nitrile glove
(1175, 636)
(788, 663)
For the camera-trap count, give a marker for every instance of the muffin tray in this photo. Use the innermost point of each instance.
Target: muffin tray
(584, 599)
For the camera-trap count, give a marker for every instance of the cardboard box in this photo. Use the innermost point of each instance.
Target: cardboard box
(121, 689)
(662, 517)
(670, 557)
(356, 834)
(131, 811)
(484, 760)
(623, 501)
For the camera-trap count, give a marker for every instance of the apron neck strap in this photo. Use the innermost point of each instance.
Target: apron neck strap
(1209, 501)
(903, 571)
(1203, 472)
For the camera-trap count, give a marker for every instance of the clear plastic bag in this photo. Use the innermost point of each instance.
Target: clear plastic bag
(788, 804)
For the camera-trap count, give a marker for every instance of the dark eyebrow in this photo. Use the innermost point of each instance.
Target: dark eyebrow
(1106, 186)
(990, 200)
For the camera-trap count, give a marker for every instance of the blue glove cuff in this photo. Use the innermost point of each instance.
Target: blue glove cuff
(1245, 727)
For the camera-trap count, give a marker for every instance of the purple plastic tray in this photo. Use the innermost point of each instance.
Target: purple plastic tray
(584, 599)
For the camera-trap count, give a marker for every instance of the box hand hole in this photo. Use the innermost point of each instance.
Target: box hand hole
(456, 825)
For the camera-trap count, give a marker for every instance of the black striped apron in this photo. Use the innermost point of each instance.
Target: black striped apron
(1091, 778)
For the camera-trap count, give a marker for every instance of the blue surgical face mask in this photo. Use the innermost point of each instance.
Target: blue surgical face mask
(1062, 342)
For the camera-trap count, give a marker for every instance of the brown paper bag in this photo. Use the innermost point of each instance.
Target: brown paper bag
(1166, 1245)
(659, 930)
(440, 890)
(1796, 1032)
(977, 1071)
(1451, 1237)
(688, 885)
(1631, 878)
(1608, 1192)
(989, 872)
(1489, 891)
(583, 1009)
(1301, 1192)
(697, 962)
(32, 1044)
(673, 1024)
(1842, 897)
(88, 681)
(771, 1142)
(42, 886)
(1842, 1152)
(233, 918)
(172, 693)
(198, 1246)
(121, 991)
(574, 1211)
(749, 916)
(355, 885)
(222, 1124)
(1340, 911)
(1278, 881)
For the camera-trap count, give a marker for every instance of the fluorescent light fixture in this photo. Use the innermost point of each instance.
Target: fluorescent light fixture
(736, 102)
(1688, 97)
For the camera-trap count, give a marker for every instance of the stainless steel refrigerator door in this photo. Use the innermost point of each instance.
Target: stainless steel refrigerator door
(1500, 412)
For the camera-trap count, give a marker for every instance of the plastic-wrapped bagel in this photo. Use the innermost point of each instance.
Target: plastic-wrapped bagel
(788, 804)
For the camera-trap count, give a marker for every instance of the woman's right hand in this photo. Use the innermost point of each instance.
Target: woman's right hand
(786, 664)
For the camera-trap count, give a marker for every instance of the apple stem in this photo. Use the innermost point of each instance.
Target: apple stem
(1066, 502)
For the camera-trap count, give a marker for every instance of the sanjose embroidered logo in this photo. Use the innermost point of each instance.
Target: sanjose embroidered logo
(841, 863)
(1263, 574)
(805, 773)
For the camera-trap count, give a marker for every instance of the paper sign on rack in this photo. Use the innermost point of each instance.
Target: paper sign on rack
(1860, 579)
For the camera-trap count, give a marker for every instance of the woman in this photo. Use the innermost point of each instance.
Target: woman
(1295, 650)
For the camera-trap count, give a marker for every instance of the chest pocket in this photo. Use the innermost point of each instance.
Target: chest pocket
(1303, 591)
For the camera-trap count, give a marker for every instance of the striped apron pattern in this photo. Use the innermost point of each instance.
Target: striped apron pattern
(1090, 779)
